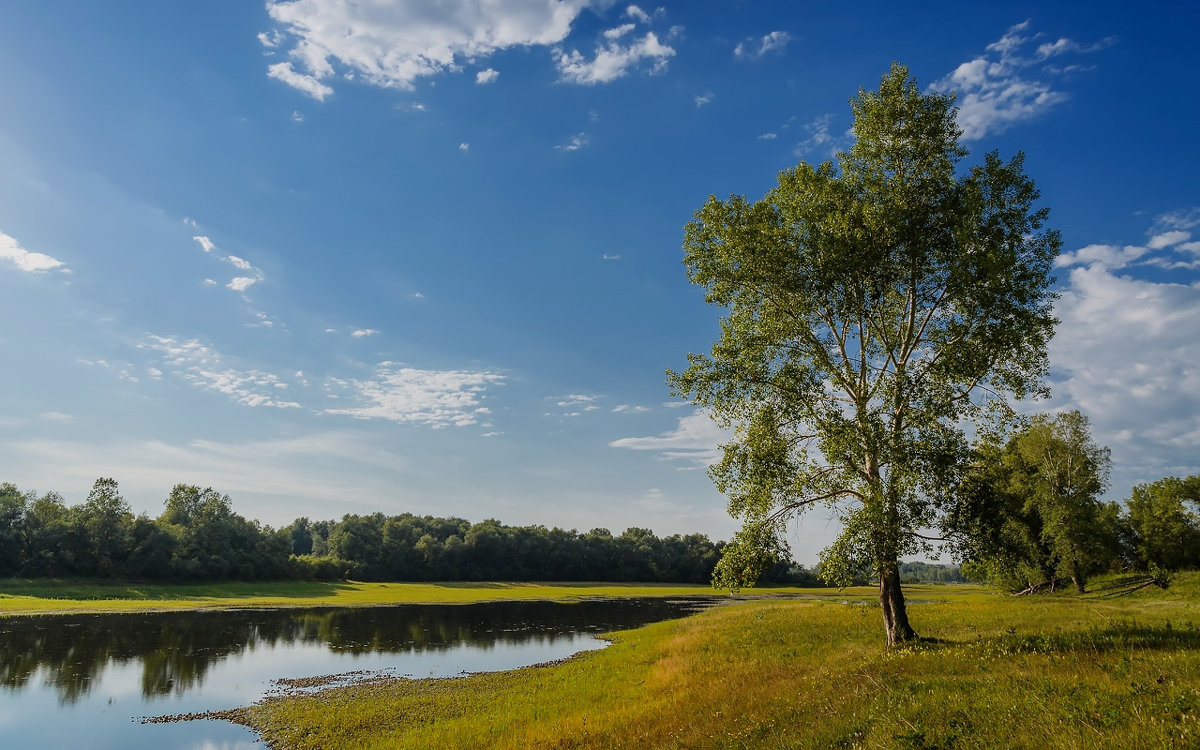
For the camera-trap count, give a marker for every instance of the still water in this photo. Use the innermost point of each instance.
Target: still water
(85, 681)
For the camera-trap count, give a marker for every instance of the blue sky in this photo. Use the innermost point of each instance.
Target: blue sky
(425, 257)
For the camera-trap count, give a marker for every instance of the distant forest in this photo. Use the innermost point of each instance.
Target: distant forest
(199, 537)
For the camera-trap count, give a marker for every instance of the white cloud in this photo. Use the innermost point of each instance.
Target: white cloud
(361, 332)
(696, 440)
(241, 283)
(768, 136)
(704, 98)
(629, 409)
(438, 398)
(575, 143)
(1185, 219)
(464, 147)
(56, 416)
(637, 14)
(25, 260)
(575, 399)
(619, 31)
(755, 49)
(394, 44)
(310, 85)
(1127, 355)
(1167, 239)
(203, 367)
(1103, 256)
(484, 77)
(238, 283)
(270, 41)
(613, 60)
(818, 140)
(610, 256)
(1003, 86)
(297, 116)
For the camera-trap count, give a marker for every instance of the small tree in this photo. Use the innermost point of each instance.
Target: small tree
(872, 306)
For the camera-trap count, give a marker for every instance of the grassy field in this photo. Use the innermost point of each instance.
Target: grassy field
(28, 597)
(1111, 669)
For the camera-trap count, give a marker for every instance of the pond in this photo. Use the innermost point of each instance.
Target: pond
(86, 681)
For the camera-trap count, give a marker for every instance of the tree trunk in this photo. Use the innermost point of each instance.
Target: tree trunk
(895, 615)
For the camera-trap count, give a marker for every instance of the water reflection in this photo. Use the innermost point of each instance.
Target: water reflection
(176, 651)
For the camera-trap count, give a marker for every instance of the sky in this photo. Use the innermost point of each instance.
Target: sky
(332, 257)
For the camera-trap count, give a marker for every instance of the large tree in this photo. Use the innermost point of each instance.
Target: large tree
(872, 306)
(1028, 514)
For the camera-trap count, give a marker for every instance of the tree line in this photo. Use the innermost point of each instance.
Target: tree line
(198, 536)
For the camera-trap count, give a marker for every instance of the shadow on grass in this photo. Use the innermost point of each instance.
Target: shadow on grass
(1123, 586)
(1116, 636)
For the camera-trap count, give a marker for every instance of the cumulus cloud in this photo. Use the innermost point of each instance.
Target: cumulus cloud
(200, 365)
(362, 332)
(613, 60)
(696, 440)
(1127, 355)
(394, 44)
(1009, 82)
(756, 49)
(437, 398)
(25, 260)
(484, 77)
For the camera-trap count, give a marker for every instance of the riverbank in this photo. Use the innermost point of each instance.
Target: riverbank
(1101, 671)
(34, 597)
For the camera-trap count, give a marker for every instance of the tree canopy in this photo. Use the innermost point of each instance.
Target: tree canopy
(872, 304)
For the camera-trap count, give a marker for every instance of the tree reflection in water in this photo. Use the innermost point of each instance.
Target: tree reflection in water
(176, 650)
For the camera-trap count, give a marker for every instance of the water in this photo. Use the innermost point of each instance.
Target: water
(85, 681)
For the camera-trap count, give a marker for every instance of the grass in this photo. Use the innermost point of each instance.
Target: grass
(37, 596)
(1098, 671)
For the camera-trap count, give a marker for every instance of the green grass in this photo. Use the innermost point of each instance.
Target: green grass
(28, 597)
(1098, 671)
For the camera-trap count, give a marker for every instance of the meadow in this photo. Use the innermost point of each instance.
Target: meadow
(1114, 668)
